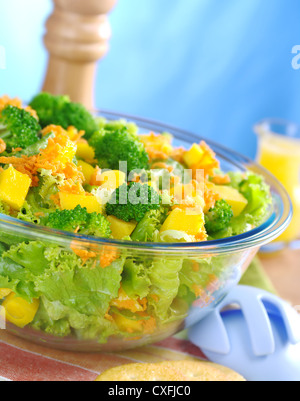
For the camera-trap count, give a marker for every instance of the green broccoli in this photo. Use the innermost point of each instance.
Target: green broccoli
(132, 202)
(218, 217)
(59, 110)
(120, 145)
(18, 128)
(36, 147)
(81, 221)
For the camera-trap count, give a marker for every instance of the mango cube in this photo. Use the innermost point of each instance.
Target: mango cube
(18, 311)
(14, 187)
(193, 156)
(87, 170)
(4, 292)
(183, 220)
(70, 201)
(232, 196)
(112, 179)
(121, 229)
(85, 151)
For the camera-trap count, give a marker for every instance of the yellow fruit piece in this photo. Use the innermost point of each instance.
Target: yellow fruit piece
(85, 151)
(184, 220)
(70, 201)
(4, 292)
(18, 311)
(87, 170)
(193, 156)
(128, 325)
(121, 229)
(70, 150)
(232, 196)
(14, 187)
(112, 179)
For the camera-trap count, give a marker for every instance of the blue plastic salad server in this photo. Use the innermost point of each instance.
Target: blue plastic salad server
(258, 336)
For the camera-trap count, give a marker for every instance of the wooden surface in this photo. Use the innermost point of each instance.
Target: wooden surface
(284, 272)
(77, 36)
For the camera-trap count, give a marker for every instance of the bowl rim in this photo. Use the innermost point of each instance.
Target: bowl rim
(268, 231)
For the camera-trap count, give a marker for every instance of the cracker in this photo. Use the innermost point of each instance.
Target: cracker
(170, 371)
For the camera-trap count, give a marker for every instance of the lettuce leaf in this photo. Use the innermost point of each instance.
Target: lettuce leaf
(164, 276)
(135, 280)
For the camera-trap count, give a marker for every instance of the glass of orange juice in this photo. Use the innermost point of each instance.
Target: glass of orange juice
(279, 152)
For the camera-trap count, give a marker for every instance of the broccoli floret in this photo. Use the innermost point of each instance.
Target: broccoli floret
(115, 146)
(81, 221)
(59, 110)
(133, 201)
(218, 217)
(18, 128)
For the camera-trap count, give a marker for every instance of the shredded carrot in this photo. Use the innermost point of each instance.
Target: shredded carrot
(95, 179)
(7, 101)
(208, 162)
(221, 179)
(2, 146)
(195, 266)
(155, 297)
(199, 292)
(157, 146)
(108, 255)
(68, 186)
(149, 325)
(84, 254)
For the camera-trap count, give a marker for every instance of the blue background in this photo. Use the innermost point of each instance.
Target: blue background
(214, 67)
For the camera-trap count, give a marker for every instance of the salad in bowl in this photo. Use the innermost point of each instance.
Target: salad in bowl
(111, 229)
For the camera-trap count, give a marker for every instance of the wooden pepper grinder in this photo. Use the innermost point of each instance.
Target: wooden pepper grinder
(77, 36)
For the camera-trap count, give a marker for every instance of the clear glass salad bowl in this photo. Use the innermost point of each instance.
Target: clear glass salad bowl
(211, 268)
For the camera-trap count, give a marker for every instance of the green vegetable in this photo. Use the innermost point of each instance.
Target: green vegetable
(148, 228)
(135, 280)
(257, 192)
(18, 128)
(36, 147)
(218, 218)
(59, 110)
(79, 219)
(115, 146)
(133, 201)
(164, 277)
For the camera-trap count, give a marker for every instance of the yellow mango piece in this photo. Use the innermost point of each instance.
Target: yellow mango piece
(193, 156)
(87, 170)
(70, 201)
(121, 229)
(4, 292)
(18, 311)
(69, 151)
(184, 220)
(232, 196)
(14, 187)
(112, 179)
(128, 325)
(85, 151)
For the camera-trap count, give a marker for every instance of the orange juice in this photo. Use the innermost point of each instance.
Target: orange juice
(280, 154)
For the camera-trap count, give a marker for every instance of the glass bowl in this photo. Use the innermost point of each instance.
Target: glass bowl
(208, 269)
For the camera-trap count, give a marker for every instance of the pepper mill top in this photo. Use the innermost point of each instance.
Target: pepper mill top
(77, 37)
